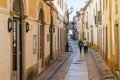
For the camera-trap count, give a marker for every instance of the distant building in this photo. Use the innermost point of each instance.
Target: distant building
(80, 25)
(75, 25)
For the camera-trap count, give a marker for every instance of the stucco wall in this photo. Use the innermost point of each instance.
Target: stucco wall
(5, 49)
(3, 3)
(31, 56)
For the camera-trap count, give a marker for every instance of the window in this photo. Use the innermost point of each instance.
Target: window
(99, 17)
(103, 5)
(95, 18)
(116, 0)
(34, 43)
(62, 4)
(96, 9)
(86, 25)
(15, 45)
(106, 3)
(58, 2)
(88, 36)
(116, 8)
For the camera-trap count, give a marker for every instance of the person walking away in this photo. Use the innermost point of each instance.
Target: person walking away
(80, 44)
(85, 46)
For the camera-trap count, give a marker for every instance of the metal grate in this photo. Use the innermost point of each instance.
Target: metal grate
(76, 63)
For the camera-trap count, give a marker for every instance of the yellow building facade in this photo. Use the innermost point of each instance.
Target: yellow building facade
(29, 38)
(115, 36)
(110, 25)
(102, 30)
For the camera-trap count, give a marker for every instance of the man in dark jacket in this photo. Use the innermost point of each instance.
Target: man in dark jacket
(80, 44)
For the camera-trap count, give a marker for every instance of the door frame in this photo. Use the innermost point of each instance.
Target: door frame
(41, 28)
(17, 14)
(116, 38)
(51, 37)
(18, 47)
(106, 57)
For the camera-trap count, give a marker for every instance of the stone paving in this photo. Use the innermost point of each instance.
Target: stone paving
(53, 68)
(49, 72)
(78, 69)
(92, 68)
(62, 72)
(103, 69)
(76, 66)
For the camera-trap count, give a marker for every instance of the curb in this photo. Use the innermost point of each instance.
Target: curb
(53, 68)
(103, 69)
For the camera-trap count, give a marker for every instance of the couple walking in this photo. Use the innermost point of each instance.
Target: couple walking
(83, 44)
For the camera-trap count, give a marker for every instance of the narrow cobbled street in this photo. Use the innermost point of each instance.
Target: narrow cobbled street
(77, 66)
(82, 66)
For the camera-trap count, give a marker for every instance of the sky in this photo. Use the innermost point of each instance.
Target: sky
(77, 5)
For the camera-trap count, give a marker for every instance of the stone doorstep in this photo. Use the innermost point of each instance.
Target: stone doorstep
(110, 79)
(117, 74)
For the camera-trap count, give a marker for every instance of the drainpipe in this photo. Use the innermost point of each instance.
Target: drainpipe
(110, 21)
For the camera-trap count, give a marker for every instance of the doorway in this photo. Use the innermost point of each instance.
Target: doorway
(17, 50)
(116, 35)
(92, 37)
(106, 56)
(17, 40)
(41, 37)
(51, 37)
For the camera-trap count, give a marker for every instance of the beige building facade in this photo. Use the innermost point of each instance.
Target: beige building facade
(29, 30)
(81, 24)
(61, 29)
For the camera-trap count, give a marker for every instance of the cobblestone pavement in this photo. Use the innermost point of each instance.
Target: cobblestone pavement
(80, 67)
(62, 72)
(72, 70)
(75, 68)
(103, 69)
(92, 68)
(51, 70)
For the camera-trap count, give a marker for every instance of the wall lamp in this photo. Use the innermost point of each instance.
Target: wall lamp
(71, 10)
(27, 27)
(10, 24)
(53, 29)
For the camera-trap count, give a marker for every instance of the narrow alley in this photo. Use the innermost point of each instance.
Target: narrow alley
(78, 66)
(59, 40)
(74, 68)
